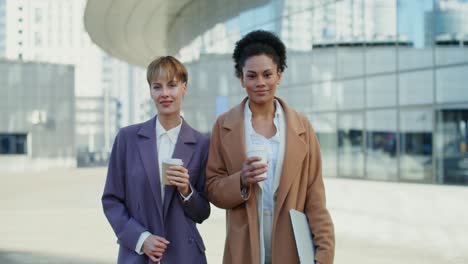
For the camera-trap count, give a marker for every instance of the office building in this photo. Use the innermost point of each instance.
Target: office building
(37, 116)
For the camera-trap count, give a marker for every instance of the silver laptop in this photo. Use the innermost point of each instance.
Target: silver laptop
(303, 237)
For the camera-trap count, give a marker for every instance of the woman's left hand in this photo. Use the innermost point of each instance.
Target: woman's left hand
(178, 176)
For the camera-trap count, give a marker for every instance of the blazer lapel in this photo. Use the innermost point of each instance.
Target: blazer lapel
(294, 154)
(148, 153)
(184, 149)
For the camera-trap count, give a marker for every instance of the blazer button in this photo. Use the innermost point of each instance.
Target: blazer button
(190, 240)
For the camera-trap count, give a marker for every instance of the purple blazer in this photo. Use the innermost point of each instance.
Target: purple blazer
(132, 194)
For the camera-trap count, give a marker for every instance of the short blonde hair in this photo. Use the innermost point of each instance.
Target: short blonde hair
(167, 67)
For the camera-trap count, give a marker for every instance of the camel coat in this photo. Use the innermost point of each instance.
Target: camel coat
(301, 188)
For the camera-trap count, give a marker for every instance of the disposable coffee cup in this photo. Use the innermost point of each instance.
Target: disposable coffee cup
(259, 151)
(166, 163)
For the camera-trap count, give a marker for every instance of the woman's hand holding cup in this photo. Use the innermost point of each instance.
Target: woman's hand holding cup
(176, 174)
(255, 167)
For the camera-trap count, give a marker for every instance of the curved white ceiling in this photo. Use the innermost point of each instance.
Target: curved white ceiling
(131, 30)
(137, 30)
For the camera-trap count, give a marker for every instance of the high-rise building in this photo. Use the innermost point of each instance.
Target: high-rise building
(37, 116)
(450, 22)
(52, 31)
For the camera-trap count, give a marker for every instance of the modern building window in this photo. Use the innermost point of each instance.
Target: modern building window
(381, 91)
(416, 145)
(302, 96)
(350, 94)
(318, 65)
(323, 96)
(350, 56)
(381, 145)
(378, 53)
(325, 128)
(451, 84)
(350, 145)
(416, 87)
(11, 144)
(450, 143)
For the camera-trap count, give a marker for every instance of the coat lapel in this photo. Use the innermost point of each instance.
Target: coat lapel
(184, 149)
(234, 148)
(233, 143)
(294, 154)
(148, 153)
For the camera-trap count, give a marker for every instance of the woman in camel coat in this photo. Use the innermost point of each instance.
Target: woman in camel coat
(258, 224)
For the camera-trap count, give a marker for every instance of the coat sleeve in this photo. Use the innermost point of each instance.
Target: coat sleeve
(320, 221)
(223, 190)
(126, 228)
(198, 207)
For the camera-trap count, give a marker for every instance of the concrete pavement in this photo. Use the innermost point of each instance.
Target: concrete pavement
(56, 217)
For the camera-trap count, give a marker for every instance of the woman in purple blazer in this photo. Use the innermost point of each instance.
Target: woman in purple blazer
(155, 222)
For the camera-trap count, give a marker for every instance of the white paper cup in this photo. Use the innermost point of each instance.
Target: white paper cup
(259, 151)
(166, 163)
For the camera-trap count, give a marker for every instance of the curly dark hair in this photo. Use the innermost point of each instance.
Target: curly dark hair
(259, 42)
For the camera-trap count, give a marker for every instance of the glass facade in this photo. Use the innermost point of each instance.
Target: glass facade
(13, 144)
(37, 115)
(383, 82)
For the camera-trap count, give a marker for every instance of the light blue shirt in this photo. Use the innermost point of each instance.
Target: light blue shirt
(273, 145)
(266, 192)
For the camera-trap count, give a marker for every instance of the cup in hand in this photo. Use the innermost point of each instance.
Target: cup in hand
(166, 163)
(260, 151)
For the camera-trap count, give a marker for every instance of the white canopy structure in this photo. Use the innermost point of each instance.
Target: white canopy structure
(136, 31)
